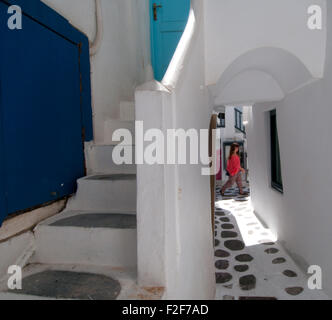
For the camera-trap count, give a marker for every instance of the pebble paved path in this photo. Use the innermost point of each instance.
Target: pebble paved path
(249, 261)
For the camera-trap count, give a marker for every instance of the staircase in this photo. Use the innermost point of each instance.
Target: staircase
(95, 235)
(99, 155)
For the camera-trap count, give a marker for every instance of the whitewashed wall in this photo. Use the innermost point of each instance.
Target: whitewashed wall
(194, 274)
(174, 214)
(11, 251)
(302, 217)
(124, 57)
(246, 25)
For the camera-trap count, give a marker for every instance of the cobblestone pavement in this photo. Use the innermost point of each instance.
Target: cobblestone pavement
(249, 261)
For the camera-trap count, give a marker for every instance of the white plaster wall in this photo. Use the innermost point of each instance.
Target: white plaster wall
(152, 101)
(302, 216)
(12, 249)
(250, 86)
(234, 27)
(175, 242)
(190, 275)
(123, 60)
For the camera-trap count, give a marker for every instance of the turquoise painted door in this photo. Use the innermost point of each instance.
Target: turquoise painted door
(168, 21)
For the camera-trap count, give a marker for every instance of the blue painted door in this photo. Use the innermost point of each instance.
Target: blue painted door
(168, 21)
(41, 146)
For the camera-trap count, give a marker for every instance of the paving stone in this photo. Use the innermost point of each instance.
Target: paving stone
(216, 242)
(222, 264)
(227, 226)
(267, 242)
(220, 213)
(294, 291)
(241, 268)
(221, 253)
(224, 219)
(257, 298)
(248, 282)
(99, 220)
(70, 285)
(290, 274)
(279, 261)
(244, 258)
(234, 245)
(217, 222)
(229, 234)
(272, 251)
(223, 277)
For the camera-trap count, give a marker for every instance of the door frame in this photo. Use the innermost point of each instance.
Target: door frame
(212, 154)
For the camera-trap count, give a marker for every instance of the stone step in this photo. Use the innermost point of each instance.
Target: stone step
(87, 238)
(111, 125)
(100, 160)
(78, 282)
(127, 110)
(105, 193)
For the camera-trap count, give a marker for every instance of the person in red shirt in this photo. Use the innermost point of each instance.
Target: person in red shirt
(234, 170)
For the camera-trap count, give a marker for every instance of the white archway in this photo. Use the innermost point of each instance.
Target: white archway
(261, 75)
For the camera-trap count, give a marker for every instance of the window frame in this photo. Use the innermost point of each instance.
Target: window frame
(221, 124)
(239, 120)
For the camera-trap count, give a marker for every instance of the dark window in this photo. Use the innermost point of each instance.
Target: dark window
(275, 154)
(239, 121)
(221, 120)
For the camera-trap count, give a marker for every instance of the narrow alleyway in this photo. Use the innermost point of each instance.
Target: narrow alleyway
(249, 261)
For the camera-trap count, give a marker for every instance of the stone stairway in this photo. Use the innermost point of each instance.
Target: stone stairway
(102, 192)
(77, 237)
(99, 155)
(89, 251)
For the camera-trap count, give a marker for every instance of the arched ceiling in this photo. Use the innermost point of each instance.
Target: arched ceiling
(263, 74)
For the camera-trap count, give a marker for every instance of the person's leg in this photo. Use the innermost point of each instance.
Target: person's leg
(239, 182)
(228, 184)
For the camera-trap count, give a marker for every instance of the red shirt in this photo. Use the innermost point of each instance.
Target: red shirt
(233, 165)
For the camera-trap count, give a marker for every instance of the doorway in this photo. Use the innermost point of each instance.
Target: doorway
(168, 21)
